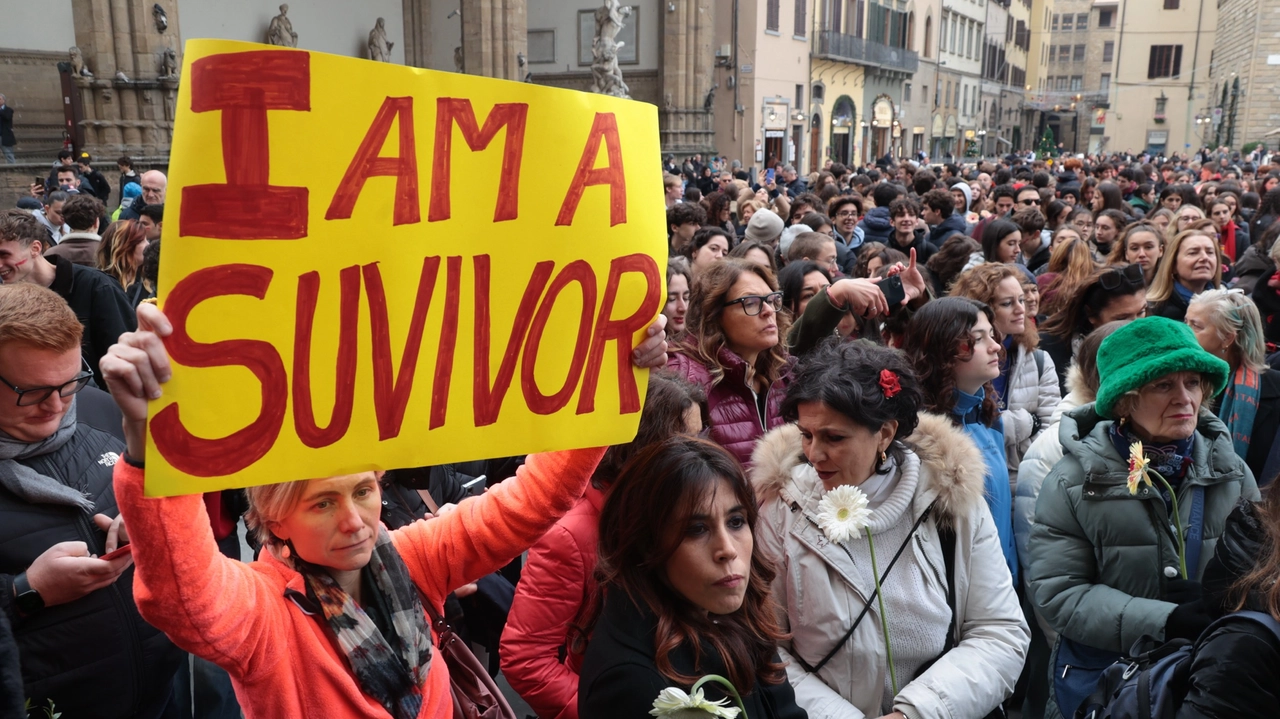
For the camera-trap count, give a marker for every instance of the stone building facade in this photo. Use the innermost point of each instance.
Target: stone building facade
(1082, 49)
(1244, 80)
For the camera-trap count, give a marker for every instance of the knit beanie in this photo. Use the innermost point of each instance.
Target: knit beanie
(1145, 350)
(765, 226)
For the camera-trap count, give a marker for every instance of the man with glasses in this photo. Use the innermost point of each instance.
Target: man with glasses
(1028, 196)
(83, 644)
(97, 301)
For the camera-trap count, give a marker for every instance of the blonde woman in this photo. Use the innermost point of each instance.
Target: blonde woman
(1191, 265)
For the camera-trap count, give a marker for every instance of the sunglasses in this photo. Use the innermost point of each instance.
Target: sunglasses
(1131, 275)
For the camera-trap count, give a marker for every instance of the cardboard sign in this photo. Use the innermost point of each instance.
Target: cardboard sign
(370, 266)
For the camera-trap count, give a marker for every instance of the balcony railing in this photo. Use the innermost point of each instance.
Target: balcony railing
(847, 48)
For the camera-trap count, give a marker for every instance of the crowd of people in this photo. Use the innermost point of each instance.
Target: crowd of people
(885, 468)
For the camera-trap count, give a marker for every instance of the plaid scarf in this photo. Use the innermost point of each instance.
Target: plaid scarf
(391, 669)
(1240, 407)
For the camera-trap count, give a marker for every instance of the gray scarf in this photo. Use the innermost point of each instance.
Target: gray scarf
(29, 484)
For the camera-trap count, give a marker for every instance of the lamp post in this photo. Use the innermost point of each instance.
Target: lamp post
(982, 143)
(864, 143)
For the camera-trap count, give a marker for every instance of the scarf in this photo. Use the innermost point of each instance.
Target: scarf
(1185, 293)
(391, 669)
(1240, 406)
(1171, 460)
(1228, 239)
(29, 484)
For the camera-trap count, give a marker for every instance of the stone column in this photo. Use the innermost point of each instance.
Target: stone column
(686, 75)
(417, 33)
(494, 37)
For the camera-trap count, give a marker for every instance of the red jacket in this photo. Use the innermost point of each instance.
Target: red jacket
(283, 663)
(731, 405)
(555, 584)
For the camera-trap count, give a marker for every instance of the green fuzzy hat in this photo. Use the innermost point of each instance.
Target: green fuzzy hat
(1147, 349)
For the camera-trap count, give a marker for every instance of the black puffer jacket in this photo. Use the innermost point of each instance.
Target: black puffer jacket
(94, 657)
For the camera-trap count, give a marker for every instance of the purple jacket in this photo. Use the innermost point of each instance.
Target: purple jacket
(735, 421)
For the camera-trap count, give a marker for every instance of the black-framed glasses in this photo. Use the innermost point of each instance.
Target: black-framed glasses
(36, 395)
(753, 304)
(1131, 275)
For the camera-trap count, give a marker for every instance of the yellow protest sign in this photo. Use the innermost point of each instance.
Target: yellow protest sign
(374, 266)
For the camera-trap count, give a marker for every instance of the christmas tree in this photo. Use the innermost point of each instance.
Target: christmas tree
(1046, 148)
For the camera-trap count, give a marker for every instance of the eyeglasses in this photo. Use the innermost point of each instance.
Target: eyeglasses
(846, 214)
(1131, 275)
(753, 304)
(36, 395)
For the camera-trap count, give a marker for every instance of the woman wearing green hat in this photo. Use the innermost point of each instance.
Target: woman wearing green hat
(1105, 561)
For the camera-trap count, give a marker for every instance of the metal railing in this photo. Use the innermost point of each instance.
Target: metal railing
(847, 48)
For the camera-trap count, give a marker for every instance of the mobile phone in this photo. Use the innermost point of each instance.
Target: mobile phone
(768, 175)
(119, 552)
(38, 181)
(894, 294)
(474, 482)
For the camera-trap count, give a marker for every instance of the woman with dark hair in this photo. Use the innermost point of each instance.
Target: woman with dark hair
(1056, 214)
(1110, 294)
(1107, 226)
(1232, 238)
(720, 215)
(955, 349)
(949, 261)
(1191, 265)
(735, 352)
(859, 424)
(709, 246)
(875, 255)
(679, 285)
(682, 593)
(800, 282)
(1001, 241)
(1109, 197)
(1171, 198)
(1027, 386)
(538, 658)
(1267, 213)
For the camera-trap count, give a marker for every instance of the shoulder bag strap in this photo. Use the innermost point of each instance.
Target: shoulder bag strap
(1195, 530)
(870, 600)
(947, 540)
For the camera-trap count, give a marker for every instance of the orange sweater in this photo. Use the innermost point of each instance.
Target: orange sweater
(282, 662)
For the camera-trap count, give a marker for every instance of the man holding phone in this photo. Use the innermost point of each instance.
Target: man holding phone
(64, 585)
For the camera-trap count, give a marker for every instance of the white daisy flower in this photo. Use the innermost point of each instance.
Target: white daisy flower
(675, 703)
(843, 513)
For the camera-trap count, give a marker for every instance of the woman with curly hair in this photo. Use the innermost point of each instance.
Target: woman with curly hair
(955, 350)
(120, 253)
(1070, 264)
(858, 422)
(735, 351)
(683, 591)
(1027, 386)
(720, 214)
(950, 259)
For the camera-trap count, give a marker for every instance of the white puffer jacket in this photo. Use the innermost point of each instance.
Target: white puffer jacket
(1031, 395)
(816, 580)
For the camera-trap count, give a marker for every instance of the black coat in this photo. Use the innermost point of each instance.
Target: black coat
(1175, 308)
(99, 304)
(1059, 350)
(1266, 423)
(6, 127)
(620, 679)
(1267, 298)
(1235, 673)
(94, 657)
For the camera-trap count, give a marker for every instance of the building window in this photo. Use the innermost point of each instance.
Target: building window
(1055, 22)
(542, 46)
(1082, 22)
(948, 93)
(772, 10)
(1106, 18)
(800, 32)
(1077, 82)
(965, 107)
(1165, 61)
(799, 96)
(1077, 53)
(906, 92)
(954, 27)
(1060, 82)
(1108, 50)
(1170, 4)
(928, 30)
(1067, 21)
(1160, 107)
(859, 17)
(1053, 53)
(1104, 84)
(942, 36)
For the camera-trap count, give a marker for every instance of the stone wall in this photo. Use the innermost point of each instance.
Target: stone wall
(1248, 36)
(15, 180)
(30, 81)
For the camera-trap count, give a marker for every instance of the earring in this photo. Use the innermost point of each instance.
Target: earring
(284, 551)
(883, 457)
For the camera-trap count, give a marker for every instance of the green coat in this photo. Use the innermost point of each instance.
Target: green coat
(1099, 556)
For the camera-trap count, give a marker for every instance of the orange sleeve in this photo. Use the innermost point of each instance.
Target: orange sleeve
(210, 605)
(485, 533)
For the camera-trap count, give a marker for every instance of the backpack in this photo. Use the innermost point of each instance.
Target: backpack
(1151, 682)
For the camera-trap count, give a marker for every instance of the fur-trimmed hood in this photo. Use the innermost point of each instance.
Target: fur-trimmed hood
(952, 469)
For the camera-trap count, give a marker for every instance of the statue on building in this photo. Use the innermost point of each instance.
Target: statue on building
(280, 31)
(458, 59)
(162, 19)
(168, 64)
(379, 46)
(78, 67)
(606, 77)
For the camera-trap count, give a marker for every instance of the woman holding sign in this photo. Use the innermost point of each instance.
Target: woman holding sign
(334, 618)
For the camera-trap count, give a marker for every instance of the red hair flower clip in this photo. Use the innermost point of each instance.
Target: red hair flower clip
(889, 383)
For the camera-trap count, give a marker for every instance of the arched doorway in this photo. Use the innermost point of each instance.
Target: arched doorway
(815, 142)
(843, 118)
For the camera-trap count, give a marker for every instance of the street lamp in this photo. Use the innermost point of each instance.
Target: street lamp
(864, 142)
